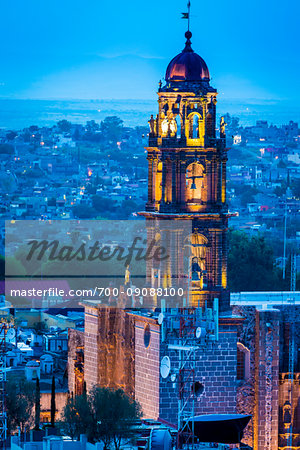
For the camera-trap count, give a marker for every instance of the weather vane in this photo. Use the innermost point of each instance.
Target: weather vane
(186, 15)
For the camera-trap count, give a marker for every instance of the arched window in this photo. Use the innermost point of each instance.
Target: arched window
(195, 127)
(195, 257)
(287, 415)
(194, 121)
(194, 182)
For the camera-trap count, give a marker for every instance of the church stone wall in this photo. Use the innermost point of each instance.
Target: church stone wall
(91, 353)
(215, 368)
(75, 340)
(147, 361)
(266, 380)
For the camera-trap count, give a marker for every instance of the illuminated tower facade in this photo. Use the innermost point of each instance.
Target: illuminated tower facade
(187, 176)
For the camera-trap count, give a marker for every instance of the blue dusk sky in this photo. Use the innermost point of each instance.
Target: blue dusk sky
(120, 49)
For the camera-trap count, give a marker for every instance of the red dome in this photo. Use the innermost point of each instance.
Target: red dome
(187, 66)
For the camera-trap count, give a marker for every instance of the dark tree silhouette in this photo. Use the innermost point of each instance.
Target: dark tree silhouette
(53, 405)
(37, 404)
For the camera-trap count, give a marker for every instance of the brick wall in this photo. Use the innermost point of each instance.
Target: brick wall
(60, 402)
(116, 350)
(147, 362)
(91, 354)
(215, 368)
(75, 340)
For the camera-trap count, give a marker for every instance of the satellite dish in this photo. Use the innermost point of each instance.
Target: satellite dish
(165, 367)
(200, 332)
(160, 318)
(11, 332)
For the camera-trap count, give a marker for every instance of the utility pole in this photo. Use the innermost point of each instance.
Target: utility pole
(284, 242)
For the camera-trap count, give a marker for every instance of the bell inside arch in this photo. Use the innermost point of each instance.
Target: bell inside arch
(193, 185)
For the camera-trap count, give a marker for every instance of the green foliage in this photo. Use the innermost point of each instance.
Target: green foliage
(113, 412)
(77, 417)
(2, 267)
(84, 212)
(64, 126)
(103, 204)
(129, 206)
(231, 121)
(19, 403)
(244, 192)
(53, 406)
(281, 164)
(296, 187)
(92, 126)
(14, 267)
(37, 404)
(280, 190)
(7, 149)
(104, 415)
(11, 135)
(251, 265)
(112, 128)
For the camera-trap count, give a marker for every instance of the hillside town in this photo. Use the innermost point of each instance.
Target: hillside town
(99, 170)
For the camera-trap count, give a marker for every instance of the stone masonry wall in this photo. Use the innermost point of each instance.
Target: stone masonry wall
(147, 360)
(91, 354)
(266, 380)
(215, 369)
(75, 340)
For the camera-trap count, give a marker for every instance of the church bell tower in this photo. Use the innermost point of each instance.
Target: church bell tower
(187, 179)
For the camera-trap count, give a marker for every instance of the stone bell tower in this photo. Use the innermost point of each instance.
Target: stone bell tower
(187, 177)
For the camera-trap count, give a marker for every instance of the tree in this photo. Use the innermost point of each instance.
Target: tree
(113, 413)
(64, 126)
(112, 128)
(84, 212)
(53, 406)
(104, 415)
(281, 164)
(37, 404)
(91, 126)
(128, 207)
(232, 122)
(2, 267)
(33, 128)
(19, 404)
(7, 149)
(77, 418)
(251, 265)
(296, 187)
(11, 135)
(103, 204)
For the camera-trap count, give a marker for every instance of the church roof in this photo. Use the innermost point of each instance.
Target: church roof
(188, 65)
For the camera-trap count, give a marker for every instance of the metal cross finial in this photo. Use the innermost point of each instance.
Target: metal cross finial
(186, 15)
(189, 9)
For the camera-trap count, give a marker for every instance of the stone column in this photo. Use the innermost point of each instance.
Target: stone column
(266, 380)
(174, 176)
(164, 176)
(224, 181)
(150, 179)
(209, 180)
(153, 179)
